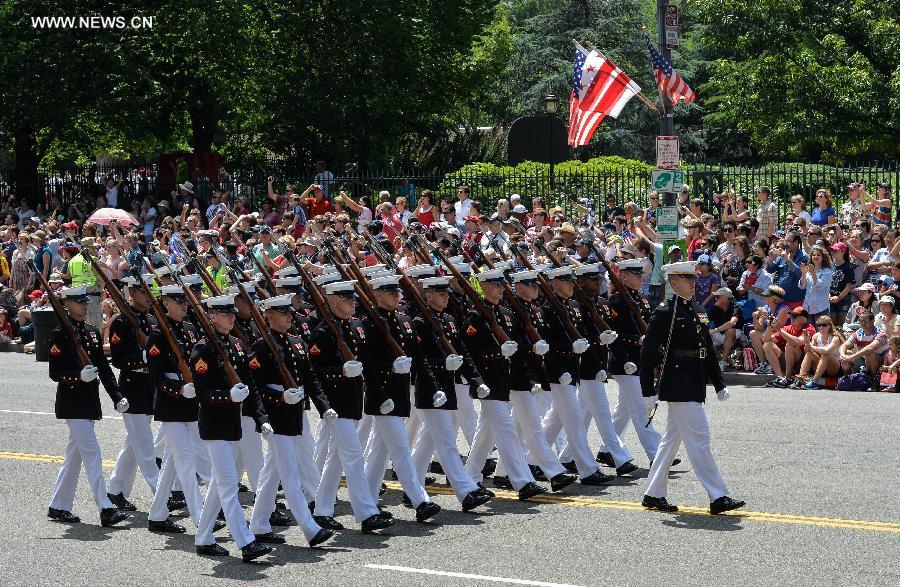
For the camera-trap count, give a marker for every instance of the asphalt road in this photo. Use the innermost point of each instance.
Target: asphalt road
(818, 471)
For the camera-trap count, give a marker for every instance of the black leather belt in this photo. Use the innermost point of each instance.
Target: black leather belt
(688, 354)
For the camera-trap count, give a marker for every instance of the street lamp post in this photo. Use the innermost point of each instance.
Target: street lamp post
(551, 105)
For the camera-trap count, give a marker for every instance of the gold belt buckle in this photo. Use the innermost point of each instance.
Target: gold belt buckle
(702, 352)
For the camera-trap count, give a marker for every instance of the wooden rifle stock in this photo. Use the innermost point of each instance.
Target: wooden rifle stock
(551, 297)
(160, 312)
(520, 311)
(62, 316)
(623, 291)
(116, 296)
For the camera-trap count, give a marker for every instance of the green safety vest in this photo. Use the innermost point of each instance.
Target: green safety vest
(81, 271)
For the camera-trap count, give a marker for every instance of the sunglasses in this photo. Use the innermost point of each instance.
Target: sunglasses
(823, 325)
(728, 231)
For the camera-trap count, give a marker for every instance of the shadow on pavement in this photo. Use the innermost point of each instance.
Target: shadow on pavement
(695, 522)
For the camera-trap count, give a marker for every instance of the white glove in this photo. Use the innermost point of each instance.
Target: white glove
(330, 415)
(608, 336)
(536, 389)
(723, 394)
(293, 395)
(453, 362)
(482, 391)
(630, 368)
(541, 347)
(188, 391)
(387, 407)
(122, 405)
(580, 345)
(266, 430)
(353, 369)
(144, 356)
(651, 405)
(239, 392)
(402, 365)
(509, 348)
(565, 379)
(440, 398)
(601, 375)
(89, 373)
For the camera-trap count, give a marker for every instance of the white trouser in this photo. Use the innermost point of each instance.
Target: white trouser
(413, 422)
(223, 495)
(250, 457)
(496, 427)
(159, 444)
(345, 455)
(137, 451)
(179, 462)
(596, 405)
(305, 448)
(323, 439)
(686, 422)
(82, 447)
(201, 455)
(632, 407)
(528, 417)
(439, 437)
(364, 430)
(465, 415)
(566, 413)
(389, 440)
(281, 465)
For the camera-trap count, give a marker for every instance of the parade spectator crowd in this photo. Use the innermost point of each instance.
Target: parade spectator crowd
(808, 298)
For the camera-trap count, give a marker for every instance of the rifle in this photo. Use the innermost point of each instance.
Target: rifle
(270, 284)
(620, 287)
(551, 297)
(368, 308)
(160, 312)
(410, 291)
(116, 296)
(61, 315)
(321, 305)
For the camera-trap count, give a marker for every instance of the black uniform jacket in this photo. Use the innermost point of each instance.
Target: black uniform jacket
(627, 347)
(76, 399)
(127, 355)
(430, 365)
(168, 403)
(596, 357)
(285, 418)
(378, 361)
(485, 350)
(525, 367)
(220, 418)
(691, 358)
(345, 394)
(561, 359)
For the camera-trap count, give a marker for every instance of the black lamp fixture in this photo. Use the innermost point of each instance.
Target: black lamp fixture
(551, 104)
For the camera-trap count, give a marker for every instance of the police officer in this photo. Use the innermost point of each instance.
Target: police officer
(283, 405)
(129, 357)
(78, 403)
(678, 342)
(343, 385)
(387, 400)
(220, 428)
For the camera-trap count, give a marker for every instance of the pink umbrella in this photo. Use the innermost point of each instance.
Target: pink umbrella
(104, 215)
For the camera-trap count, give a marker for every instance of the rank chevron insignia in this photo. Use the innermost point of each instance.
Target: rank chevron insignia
(201, 367)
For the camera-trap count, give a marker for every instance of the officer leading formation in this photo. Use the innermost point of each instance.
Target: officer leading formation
(509, 346)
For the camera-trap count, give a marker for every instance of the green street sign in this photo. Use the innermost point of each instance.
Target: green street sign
(667, 180)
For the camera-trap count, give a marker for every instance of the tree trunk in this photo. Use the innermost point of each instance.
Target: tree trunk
(28, 182)
(204, 123)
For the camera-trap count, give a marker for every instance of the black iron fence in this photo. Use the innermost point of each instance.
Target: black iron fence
(488, 183)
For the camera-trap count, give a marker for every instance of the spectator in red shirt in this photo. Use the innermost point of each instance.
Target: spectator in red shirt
(694, 237)
(317, 205)
(789, 342)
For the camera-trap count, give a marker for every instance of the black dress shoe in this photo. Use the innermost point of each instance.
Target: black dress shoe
(436, 468)
(571, 467)
(174, 504)
(242, 488)
(168, 525)
(530, 490)
(269, 538)
(376, 522)
(724, 504)
(386, 514)
(328, 522)
(674, 462)
(658, 503)
(254, 550)
(429, 480)
(474, 499)
(63, 516)
(179, 495)
(426, 510)
(490, 465)
(501, 482)
(321, 536)
(279, 518)
(121, 502)
(280, 505)
(218, 525)
(405, 500)
(561, 481)
(312, 506)
(221, 516)
(605, 458)
(597, 478)
(111, 517)
(537, 473)
(211, 550)
(625, 469)
(383, 490)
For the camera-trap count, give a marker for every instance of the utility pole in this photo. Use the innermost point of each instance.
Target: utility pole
(666, 121)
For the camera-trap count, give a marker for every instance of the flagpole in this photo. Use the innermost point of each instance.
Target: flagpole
(667, 124)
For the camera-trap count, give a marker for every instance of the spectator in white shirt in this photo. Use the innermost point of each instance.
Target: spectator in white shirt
(755, 280)
(324, 178)
(464, 205)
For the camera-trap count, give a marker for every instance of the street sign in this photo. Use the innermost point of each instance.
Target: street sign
(667, 222)
(671, 15)
(671, 37)
(668, 154)
(667, 180)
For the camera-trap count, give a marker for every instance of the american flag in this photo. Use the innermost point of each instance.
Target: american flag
(668, 80)
(599, 89)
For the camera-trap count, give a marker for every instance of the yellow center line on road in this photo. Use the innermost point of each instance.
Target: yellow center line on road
(591, 502)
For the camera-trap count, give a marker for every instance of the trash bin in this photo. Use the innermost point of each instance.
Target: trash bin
(44, 322)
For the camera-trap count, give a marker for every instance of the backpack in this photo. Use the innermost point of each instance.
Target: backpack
(854, 382)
